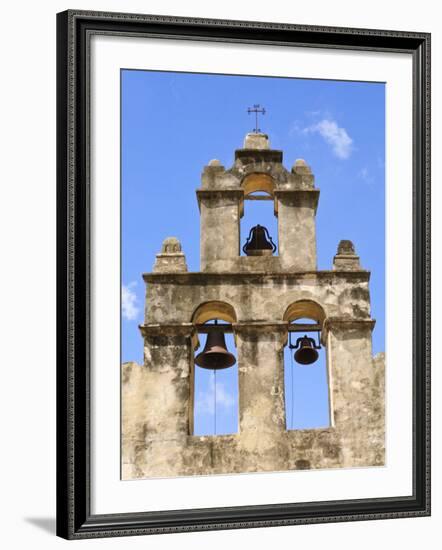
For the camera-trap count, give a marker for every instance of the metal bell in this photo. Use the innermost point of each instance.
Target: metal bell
(259, 242)
(306, 354)
(215, 355)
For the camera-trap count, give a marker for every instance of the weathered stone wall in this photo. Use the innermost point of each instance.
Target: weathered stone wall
(355, 395)
(173, 298)
(296, 229)
(158, 397)
(157, 400)
(219, 228)
(261, 396)
(257, 447)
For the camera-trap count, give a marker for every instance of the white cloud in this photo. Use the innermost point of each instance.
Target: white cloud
(337, 137)
(129, 306)
(205, 400)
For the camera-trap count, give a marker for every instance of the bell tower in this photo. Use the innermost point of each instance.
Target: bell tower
(221, 198)
(259, 295)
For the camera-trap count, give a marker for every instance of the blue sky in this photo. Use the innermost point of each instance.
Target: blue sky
(174, 123)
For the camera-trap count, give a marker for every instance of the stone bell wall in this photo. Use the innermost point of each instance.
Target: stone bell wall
(158, 396)
(259, 296)
(261, 444)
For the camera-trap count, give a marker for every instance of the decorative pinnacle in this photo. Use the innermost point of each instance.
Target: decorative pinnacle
(256, 109)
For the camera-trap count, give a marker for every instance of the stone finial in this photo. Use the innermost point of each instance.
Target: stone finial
(346, 258)
(346, 247)
(171, 259)
(213, 174)
(256, 141)
(170, 245)
(301, 175)
(301, 167)
(214, 162)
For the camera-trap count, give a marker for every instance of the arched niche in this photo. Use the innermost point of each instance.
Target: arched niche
(214, 310)
(208, 311)
(307, 387)
(304, 309)
(253, 184)
(258, 182)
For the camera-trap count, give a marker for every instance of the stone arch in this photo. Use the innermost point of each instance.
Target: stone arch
(214, 310)
(258, 181)
(305, 309)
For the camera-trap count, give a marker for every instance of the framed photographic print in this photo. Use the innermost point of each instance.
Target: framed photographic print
(243, 274)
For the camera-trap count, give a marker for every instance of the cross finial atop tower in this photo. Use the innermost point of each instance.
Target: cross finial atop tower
(256, 109)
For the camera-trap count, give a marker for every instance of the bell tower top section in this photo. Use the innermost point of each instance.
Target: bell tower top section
(222, 198)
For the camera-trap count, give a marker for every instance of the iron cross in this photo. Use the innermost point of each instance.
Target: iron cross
(256, 109)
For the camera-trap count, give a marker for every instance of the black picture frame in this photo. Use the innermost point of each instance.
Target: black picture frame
(74, 518)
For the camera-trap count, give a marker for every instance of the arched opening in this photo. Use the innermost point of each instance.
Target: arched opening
(215, 390)
(259, 209)
(258, 182)
(307, 309)
(305, 368)
(214, 310)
